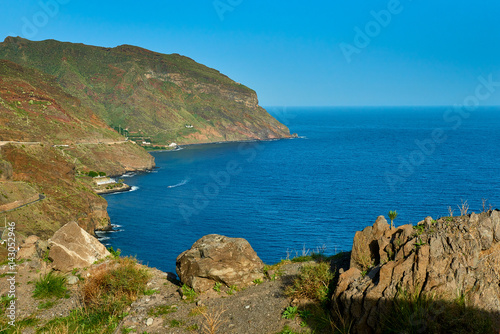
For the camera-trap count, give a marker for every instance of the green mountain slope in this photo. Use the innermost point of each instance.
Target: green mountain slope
(36, 108)
(150, 96)
(36, 114)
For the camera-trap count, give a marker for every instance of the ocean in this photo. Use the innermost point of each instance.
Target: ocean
(293, 196)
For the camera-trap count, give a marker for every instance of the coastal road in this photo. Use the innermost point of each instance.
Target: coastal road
(40, 198)
(2, 143)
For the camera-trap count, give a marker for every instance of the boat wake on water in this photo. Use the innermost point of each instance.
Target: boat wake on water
(179, 184)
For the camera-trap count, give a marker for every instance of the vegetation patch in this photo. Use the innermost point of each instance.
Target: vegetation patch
(111, 287)
(313, 282)
(427, 313)
(50, 285)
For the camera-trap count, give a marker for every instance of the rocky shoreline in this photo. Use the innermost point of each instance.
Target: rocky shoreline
(123, 188)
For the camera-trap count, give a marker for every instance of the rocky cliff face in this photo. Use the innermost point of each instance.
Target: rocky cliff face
(67, 197)
(453, 257)
(150, 96)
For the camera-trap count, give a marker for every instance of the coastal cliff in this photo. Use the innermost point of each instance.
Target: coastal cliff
(49, 140)
(150, 97)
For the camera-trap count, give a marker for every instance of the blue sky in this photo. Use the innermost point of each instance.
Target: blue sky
(422, 53)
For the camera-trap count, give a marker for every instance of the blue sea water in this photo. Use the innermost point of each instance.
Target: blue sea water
(349, 166)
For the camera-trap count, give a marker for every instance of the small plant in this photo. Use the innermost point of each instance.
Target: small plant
(392, 216)
(290, 312)
(162, 310)
(50, 285)
(363, 273)
(213, 321)
(486, 207)
(197, 311)
(192, 328)
(150, 292)
(217, 286)
(419, 243)
(189, 293)
(450, 211)
(464, 208)
(232, 290)
(419, 229)
(114, 253)
(175, 323)
(305, 314)
(257, 281)
(46, 305)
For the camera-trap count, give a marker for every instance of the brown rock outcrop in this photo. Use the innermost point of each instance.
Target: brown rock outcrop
(5, 170)
(72, 247)
(447, 258)
(216, 258)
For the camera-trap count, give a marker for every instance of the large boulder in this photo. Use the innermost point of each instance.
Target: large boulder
(216, 258)
(72, 247)
(443, 258)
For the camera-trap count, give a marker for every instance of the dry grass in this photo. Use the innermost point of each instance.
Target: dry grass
(451, 211)
(362, 255)
(313, 283)
(486, 206)
(113, 284)
(213, 321)
(464, 208)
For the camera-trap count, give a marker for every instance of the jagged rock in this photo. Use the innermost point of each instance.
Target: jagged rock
(216, 258)
(365, 249)
(72, 247)
(450, 256)
(28, 249)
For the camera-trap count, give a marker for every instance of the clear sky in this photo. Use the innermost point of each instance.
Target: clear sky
(297, 53)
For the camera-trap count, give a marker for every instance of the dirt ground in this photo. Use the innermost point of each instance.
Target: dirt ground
(256, 309)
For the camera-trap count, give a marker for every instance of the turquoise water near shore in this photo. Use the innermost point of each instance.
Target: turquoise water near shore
(349, 166)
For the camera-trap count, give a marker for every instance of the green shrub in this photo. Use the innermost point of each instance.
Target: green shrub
(114, 253)
(105, 294)
(414, 312)
(92, 174)
(290, 312)
(189, 293)
(313, 282)
(50, 285)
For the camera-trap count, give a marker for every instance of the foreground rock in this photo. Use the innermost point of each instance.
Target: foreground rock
(447, 259)
(72, 247)
(216, 258)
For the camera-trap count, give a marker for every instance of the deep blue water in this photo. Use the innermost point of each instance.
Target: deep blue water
(352, 165)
